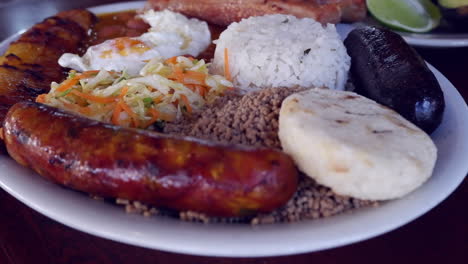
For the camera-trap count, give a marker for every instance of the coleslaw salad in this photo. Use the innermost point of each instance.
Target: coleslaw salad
(165, 90)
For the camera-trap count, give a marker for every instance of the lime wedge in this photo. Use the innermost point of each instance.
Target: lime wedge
(408, 15)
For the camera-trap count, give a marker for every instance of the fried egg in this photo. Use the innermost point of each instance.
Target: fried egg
(171, 34)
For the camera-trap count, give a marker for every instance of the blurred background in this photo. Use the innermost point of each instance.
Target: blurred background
(33, 11)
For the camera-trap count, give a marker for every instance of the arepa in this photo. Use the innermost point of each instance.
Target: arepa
(354, 145)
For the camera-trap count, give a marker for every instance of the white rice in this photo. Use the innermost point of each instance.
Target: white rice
(282, 51)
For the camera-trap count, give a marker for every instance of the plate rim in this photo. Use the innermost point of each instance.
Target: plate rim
(423, 40)
(434, 42)
(198, 249)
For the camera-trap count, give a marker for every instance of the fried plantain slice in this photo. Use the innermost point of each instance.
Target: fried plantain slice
(30, 64)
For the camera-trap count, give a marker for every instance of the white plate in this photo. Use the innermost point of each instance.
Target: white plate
(236, 240)
(436, 40)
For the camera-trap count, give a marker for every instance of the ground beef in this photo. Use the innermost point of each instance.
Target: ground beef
(252, 120)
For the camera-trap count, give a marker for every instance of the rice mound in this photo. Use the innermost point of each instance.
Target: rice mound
(282, 51)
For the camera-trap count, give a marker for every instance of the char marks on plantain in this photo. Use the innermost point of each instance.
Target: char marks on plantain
(30, 63)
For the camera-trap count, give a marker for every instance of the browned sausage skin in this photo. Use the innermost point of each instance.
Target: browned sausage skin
(178, 173)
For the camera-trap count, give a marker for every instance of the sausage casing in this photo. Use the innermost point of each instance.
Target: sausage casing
(178, 173)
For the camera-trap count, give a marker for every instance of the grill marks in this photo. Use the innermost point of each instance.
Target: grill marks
(30, 63)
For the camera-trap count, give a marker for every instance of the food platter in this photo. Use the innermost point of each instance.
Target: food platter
(102, 219)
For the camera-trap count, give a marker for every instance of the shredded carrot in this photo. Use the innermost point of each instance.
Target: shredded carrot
(41, 98)
(158, 99)
(191, 87)
(108, 107)
(80, 109)
(80, 101)
(193, 77)
(186, 103)
(70, 106)
(172, 60)
(154, 113)
(126, 108)
(177, 74)
(85, 110)
(132, 114)
(227, 73)
(93, 98)
(88, 73)
(154, 117)
(123, 92)
(116, 114)
(201, 90)
(67, 84)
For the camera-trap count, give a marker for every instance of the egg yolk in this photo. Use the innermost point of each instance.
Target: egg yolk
(125, 46)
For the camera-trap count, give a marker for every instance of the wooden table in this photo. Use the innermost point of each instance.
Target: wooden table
(440, 236)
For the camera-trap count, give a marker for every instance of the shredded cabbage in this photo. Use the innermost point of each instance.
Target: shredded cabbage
(164, 91)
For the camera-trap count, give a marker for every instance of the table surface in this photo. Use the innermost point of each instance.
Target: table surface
(440, 236)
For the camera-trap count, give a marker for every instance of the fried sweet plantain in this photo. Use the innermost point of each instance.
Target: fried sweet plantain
(30, 64)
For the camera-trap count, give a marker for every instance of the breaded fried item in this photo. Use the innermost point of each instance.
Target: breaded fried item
(30, 64)
(224, 12)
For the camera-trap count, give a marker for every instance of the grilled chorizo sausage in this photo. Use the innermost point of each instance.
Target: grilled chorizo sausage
(178, 173)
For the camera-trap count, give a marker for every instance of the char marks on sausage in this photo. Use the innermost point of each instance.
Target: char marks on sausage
(179, 173)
